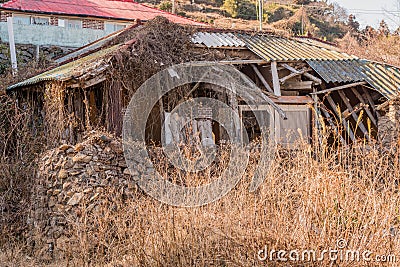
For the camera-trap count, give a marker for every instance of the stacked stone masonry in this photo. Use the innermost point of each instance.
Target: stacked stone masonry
(71, 179)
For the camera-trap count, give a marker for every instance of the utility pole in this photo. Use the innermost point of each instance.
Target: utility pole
(173, 6)
(11, 42)
(260, 13)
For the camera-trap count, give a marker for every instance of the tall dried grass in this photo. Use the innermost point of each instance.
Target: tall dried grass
(310, 199)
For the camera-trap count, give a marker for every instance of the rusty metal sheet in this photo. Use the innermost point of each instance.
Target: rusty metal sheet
(274, 48)
(338, 71)
(384, 78)
(217, 39)
(70, 70)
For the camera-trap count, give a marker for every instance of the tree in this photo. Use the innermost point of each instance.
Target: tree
(353, 23)
(231, 6)
(339, 13)
(383, 28)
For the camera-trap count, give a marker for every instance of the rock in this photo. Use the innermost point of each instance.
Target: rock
(131, 173)
(56, 192)
(81, 158)
(75, 199)
(64, 147)
(79, 147)
(62, 174)
(116, 147)
(105, 138)
(52, 202)
(88, 190)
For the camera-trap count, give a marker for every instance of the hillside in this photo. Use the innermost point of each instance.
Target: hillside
(298, 17)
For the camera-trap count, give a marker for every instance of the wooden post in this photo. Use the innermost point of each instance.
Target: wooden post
(353, 114)
(275, 78)
(261, 77)
(11, 42)
(344, 121)
(362, 100)
(329, 119)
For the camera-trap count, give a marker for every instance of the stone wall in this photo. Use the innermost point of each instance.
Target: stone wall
(73, 180)
(389, 123)
(28, 53)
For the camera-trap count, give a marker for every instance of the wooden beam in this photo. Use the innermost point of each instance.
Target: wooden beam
(261, 77)
(370, 101)
(362, 100)
(308, 75)
(338, 88)
(244, 61)
(329, 119)
(292, 75)
(275, 78)
(344, 121)
(354, 114)
(303, 85)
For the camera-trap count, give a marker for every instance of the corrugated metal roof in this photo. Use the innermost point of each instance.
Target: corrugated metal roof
(273, 48)
(213, 39)
(384, 78)
(117, 9)
(340, 71)
(69, 70)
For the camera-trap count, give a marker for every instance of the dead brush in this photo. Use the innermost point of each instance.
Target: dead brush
(310, 199)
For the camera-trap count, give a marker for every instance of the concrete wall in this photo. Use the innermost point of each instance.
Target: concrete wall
(51, 35)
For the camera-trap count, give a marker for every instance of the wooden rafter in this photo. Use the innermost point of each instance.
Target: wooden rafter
(354, 114)
(338, 88)
(275, 78)
(344, 121)
(262, 79)
(329, 119)
(366, 108)
(306, 74)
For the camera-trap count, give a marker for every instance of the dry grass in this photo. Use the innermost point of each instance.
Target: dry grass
(309, 200)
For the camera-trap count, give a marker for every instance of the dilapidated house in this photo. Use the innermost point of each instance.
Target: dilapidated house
(316, 85)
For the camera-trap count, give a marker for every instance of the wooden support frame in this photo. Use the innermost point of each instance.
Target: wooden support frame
(366, 108)
(275, 78)
(306, 74)
(262, 79)
(332, 124)
(344, 121)
(292, 75)
(353, 114)
(370, 101)
(338, 88)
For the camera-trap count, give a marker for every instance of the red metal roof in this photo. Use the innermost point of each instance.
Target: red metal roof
(112, 9)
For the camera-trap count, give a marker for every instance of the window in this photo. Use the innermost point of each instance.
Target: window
(112, 27)
(40, 21)
(22, 19)
(70, 23)
(74, 24)
(27, 20)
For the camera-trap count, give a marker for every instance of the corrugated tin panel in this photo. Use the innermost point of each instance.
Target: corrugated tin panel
(213, 39)
(384, 78)
(116, 9)
(69, 70)
(273, 48)
(340, 71)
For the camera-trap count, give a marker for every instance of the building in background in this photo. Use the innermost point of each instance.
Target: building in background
(74, 23)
